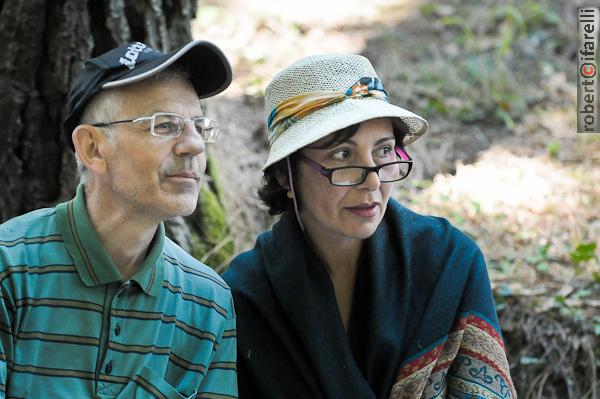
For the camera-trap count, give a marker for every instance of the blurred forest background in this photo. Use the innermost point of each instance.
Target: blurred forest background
(502, 161)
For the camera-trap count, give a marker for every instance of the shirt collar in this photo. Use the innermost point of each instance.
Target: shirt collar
(94, 265)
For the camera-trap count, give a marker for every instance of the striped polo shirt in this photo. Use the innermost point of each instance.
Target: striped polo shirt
(71, 327)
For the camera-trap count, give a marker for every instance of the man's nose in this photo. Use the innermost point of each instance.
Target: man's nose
(190, 142)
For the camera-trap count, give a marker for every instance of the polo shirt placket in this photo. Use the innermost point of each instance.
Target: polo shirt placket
(108, 360)
(96, 269)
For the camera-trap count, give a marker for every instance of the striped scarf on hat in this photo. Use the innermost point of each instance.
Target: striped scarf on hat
(292, 110)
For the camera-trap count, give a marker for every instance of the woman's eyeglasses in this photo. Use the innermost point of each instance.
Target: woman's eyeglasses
(354, 175)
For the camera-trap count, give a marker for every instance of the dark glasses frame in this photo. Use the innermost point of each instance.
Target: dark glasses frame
(328, 172)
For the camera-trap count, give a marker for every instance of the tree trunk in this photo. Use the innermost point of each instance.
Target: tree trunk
(43, 45)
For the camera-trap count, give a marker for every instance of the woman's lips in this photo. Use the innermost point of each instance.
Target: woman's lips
(365, 210)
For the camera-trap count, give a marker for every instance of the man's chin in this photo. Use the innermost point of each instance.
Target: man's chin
(182, 204)
(187, 212)
(188, 207)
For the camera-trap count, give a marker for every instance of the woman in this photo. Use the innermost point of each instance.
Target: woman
(351, 295)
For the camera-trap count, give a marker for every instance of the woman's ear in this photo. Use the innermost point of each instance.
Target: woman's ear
(90, 146)
(282, 179)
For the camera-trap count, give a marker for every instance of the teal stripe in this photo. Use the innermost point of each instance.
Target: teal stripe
(187, 365)
(29, 269)
(196, 272)
(195, 331)
(59, 338)
(141, 381)
(114, 379)
(5, 328)
(143, 349)
(212, 395)
(58, 303)
(167, 319)
(52, 372)
(222, 366)
(194, 298)
(229, 334)
(32, 240)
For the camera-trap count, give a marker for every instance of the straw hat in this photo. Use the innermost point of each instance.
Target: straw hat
(329, 73)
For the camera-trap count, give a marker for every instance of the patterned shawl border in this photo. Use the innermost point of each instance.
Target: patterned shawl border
(460, 324)
(430, 355)
(414, 376)
(482, 324)
(486, 360)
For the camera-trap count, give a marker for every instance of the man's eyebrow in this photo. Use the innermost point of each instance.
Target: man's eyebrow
(161, 110)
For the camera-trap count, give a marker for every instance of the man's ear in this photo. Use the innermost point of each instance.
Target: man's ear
(282, 179)
(90, 145)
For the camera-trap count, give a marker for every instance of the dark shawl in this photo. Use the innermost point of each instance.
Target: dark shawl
(421, 287)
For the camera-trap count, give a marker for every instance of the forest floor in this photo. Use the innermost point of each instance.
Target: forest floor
(501, 160)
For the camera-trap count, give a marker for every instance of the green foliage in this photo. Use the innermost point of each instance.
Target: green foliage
(457, 219)
(583, 252)
(428, 9)
(527, 360)
(215, 180)
(421, 184)
(213, 244)
(492, 69)
(541, 261)
(553, 148)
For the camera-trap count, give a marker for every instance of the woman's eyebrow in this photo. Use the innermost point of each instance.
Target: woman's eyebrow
(331, 146)
(383, 140)
(350, 141)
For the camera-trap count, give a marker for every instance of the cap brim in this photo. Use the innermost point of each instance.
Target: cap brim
(208, 67)
(338, 116)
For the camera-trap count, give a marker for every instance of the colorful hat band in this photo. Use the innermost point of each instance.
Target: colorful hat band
(292, 110)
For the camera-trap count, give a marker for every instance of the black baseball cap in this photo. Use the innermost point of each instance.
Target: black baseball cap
(209, 70)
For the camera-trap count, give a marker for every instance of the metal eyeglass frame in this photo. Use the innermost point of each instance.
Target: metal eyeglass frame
(207, 138)
(328, 172)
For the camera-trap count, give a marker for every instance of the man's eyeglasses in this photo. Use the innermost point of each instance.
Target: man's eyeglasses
(354, 175)
(164, 124)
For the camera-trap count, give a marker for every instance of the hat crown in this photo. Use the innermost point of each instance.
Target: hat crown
(127, 56)
(319, 73)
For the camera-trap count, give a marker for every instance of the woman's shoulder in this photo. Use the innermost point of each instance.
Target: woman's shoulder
(428, 231)
(247, 268)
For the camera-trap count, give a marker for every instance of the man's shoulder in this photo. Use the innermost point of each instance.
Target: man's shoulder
(31, 237)
(31, 224)
(183, 268)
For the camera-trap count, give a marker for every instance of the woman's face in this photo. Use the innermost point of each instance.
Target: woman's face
(352, 212)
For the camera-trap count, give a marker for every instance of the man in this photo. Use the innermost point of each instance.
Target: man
(95, 300)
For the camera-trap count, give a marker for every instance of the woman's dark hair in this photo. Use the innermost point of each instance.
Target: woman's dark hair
(274, 196)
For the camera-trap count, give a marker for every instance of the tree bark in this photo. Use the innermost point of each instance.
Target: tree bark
(43, 45)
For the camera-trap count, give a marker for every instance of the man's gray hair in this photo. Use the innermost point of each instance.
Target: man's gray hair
(106, 105)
